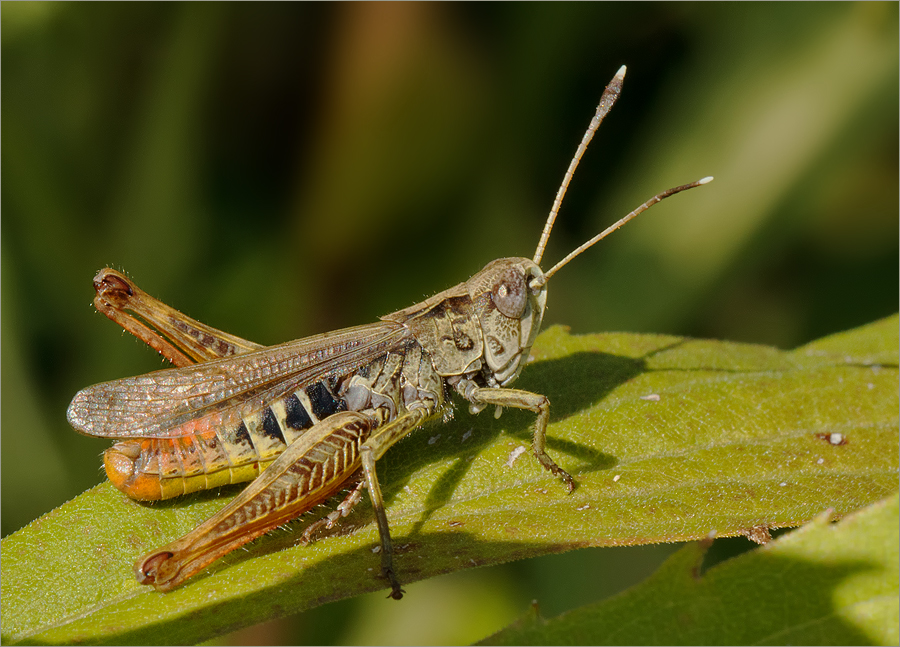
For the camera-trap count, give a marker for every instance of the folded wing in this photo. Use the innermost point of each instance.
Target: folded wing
(181, 401)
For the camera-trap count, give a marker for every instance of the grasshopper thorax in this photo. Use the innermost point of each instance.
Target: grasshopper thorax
(509, 304)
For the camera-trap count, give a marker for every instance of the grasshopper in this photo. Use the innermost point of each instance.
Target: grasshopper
(306, 419)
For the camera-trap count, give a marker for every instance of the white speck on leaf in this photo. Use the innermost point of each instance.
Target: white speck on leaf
(514, 454)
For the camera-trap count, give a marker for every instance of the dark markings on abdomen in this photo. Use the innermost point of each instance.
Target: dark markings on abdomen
(241, 436)
(323, 402)
(297, 417)
(271, 428)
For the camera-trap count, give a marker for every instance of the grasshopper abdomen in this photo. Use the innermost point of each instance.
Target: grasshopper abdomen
(191, 460)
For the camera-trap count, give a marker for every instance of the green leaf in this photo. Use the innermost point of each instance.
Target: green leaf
(821, 585)
(669, 439)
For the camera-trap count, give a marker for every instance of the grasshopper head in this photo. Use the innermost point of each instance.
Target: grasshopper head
(509, 305)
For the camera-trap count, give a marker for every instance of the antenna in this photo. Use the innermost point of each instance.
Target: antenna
(541, 280)
(607, 99)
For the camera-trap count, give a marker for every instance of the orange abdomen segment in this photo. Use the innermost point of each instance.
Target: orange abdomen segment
(155, 469)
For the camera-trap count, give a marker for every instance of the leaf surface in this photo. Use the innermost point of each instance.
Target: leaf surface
(669, 439)
(823, 584)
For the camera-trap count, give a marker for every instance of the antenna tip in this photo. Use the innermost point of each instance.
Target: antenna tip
(706, 180)
(621, 73)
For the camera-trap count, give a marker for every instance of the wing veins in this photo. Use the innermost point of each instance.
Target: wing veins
(153, 404)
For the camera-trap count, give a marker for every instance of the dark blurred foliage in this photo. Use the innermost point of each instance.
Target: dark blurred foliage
(278, 170)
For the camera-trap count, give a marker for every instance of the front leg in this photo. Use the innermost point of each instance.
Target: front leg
(518, 399)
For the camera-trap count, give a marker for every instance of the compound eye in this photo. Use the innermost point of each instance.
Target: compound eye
(510, 294)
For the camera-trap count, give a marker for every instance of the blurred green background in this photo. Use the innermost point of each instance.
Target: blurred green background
(277, 170)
